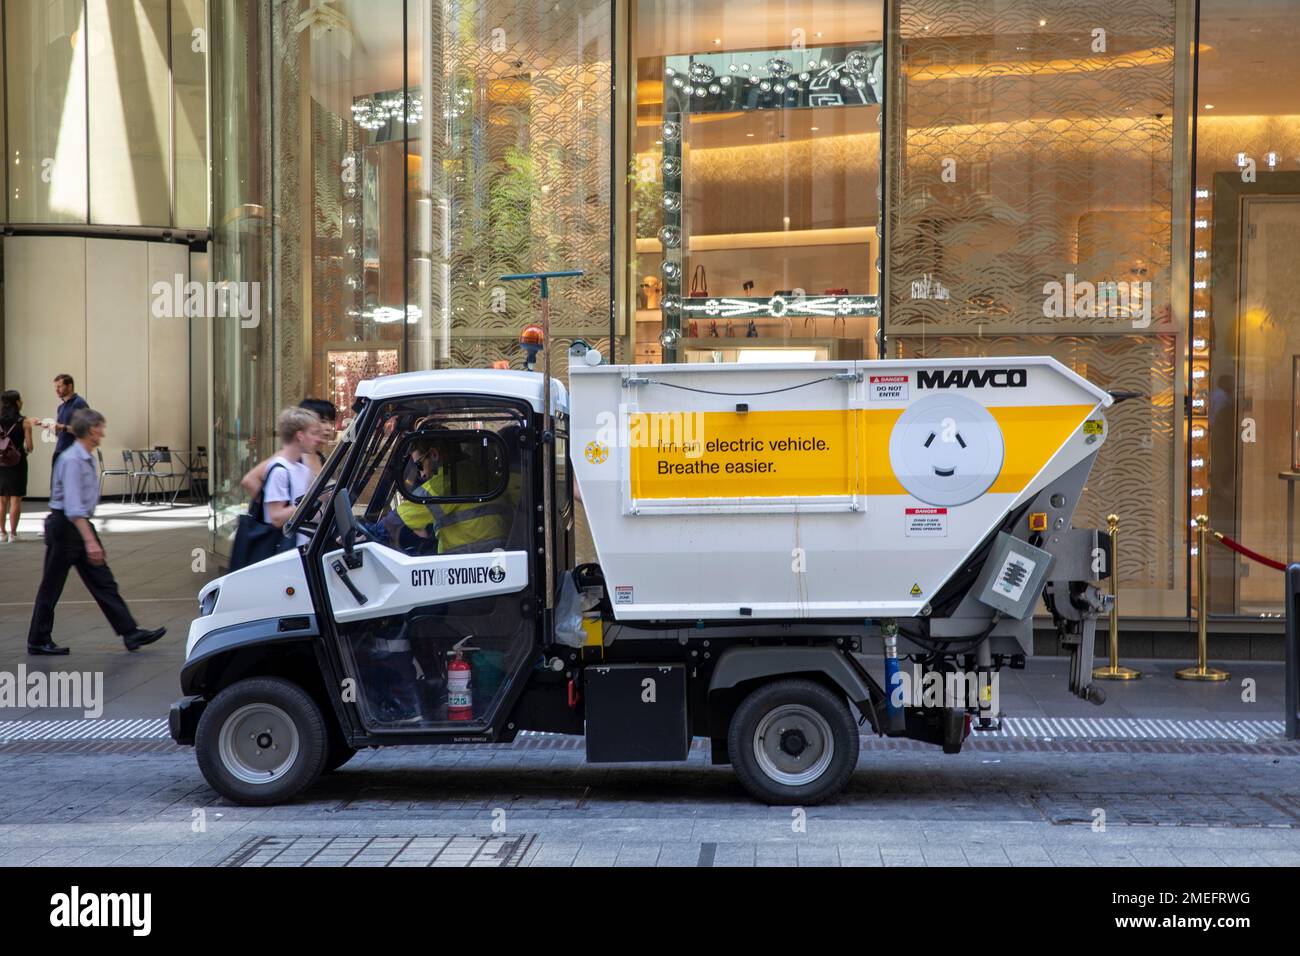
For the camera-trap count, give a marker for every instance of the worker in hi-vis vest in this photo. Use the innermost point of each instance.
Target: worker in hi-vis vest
(462, 527)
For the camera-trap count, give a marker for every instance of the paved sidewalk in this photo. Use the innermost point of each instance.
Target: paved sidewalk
(153, 552)
(504, 807)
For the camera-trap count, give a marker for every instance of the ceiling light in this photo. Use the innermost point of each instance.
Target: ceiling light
(814, 128)
(1209, 106)
(1042, 23)
(717, 41)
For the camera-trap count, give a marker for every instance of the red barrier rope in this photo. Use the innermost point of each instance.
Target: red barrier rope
(1253, 555)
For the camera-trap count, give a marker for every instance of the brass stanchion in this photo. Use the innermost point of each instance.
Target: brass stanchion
(1114, 671)
(1200, 671)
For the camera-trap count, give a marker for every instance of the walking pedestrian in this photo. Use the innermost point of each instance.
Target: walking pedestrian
(69, 402)
(72, 542)
(15, 446)
(288, 475)
(315, 460)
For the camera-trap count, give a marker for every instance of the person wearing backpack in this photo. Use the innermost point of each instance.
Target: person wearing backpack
(287, 478)
(252, 482)
(15, 446)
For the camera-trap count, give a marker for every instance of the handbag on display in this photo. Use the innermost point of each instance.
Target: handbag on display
(699, 283)
(255, 539)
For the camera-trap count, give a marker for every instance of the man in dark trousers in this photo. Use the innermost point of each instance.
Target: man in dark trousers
(71, 542)
(69, 402)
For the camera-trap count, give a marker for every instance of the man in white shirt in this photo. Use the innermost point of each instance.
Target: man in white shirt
(287, 476)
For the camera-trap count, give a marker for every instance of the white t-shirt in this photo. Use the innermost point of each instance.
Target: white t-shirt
(286, 483)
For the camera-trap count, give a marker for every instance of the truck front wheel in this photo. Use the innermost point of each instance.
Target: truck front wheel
(793, 742)
(261, 741)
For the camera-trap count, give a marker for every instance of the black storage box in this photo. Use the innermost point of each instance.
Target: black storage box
(636, 712)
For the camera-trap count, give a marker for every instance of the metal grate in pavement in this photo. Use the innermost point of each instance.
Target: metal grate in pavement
(384, 851)
(1225, 810)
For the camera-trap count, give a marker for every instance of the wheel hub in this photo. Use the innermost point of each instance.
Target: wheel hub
(259, 743)
(793, 744)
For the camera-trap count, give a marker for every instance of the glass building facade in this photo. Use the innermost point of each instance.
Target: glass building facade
(104, 130)
(105, 114)
(1116, 184)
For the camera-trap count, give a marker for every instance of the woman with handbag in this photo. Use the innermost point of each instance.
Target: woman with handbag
(287, 479)
(15, 446)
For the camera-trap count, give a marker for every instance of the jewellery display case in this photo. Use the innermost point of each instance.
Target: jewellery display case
(699, 323)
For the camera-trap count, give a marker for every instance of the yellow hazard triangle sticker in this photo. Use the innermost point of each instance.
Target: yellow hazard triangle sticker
(916, 589)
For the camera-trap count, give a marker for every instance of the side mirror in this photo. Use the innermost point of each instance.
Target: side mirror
(345, 519)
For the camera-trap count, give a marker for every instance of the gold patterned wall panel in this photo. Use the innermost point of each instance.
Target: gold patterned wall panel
(1032, 145)
(1010, 135)
(525, 169)
(1135, 470)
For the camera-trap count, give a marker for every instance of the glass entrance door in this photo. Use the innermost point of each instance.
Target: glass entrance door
(1267, 394)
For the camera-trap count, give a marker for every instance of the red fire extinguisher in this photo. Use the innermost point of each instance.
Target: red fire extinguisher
(460, 697)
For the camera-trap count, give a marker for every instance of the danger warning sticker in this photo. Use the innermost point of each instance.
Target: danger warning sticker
(887, 388)
(925, 522)
(623, 594)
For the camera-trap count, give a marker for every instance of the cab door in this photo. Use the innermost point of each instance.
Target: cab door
(433, 609)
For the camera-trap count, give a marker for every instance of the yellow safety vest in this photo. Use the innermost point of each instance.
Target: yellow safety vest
(464, 527)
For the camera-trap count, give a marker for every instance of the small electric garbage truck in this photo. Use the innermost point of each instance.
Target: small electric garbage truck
(771, 540)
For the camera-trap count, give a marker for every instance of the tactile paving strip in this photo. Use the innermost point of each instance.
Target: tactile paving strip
(1072, 734)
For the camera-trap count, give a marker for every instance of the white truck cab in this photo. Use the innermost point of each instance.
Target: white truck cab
(766, 535)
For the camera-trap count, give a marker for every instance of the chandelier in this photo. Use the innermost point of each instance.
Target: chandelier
(373, 112)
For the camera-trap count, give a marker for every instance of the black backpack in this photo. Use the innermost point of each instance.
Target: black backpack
(9, 453)
(255, 539)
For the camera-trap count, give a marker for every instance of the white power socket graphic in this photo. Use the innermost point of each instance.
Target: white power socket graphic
(946, 449)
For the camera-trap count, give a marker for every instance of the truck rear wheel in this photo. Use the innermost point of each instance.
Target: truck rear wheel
(261, 741)
(793, 742)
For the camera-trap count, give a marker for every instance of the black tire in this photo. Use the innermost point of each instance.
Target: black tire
(797, 768)
(280, 713)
